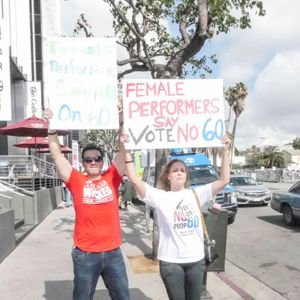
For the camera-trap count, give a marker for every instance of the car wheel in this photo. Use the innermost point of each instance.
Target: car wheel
(288, 216)
(231, 220)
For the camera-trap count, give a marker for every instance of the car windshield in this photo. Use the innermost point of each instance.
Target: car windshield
(242, 181)
(202, 175)
(295, 188)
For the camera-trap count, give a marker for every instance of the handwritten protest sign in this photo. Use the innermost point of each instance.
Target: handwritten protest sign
(173, 113)
(81, 83)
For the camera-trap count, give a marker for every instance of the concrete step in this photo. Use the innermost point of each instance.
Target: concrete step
(18, 223)
(22, 231)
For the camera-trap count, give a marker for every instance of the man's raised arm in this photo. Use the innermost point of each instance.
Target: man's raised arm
(63, 166)
(119, 160)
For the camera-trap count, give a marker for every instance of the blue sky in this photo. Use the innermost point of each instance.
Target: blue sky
(266, 58)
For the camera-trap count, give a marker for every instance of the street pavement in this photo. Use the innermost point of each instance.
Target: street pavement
(41, 266)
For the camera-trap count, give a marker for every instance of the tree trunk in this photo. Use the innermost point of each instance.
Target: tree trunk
(155, 235)
(232, 144)
(215, 154)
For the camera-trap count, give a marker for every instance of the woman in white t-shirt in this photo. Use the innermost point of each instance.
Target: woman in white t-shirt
(181, 249)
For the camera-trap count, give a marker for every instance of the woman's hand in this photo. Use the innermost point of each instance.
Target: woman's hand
(226, 142)
(121, 115)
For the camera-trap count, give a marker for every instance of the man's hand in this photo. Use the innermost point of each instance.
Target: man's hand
(124, 137)
(48, 114)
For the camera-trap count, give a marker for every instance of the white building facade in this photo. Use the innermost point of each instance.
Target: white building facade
(24, 24)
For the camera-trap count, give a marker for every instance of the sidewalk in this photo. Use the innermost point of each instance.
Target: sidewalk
(41, 266)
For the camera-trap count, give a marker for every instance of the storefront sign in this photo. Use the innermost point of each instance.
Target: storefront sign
(34, 99)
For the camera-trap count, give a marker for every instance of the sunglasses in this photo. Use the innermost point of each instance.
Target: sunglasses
(88, 160)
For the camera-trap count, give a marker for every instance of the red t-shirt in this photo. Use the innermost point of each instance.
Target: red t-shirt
(97, 223)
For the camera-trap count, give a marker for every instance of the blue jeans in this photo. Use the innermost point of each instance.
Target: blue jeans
(88, 267)
(68, 197)
(183, 281)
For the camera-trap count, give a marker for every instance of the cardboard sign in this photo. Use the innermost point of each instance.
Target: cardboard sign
(173, 113)
(81, 83)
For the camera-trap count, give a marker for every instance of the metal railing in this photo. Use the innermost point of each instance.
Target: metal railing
(8, 187)
(270, 175)
(28, 172)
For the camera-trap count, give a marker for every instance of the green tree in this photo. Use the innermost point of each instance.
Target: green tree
(82, 25)
(142, 28)
(254, 149)
(105, 139)
(296, 143)
(271, 157)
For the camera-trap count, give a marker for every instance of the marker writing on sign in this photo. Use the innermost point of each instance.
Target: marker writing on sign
(95, 118)
(183, 133)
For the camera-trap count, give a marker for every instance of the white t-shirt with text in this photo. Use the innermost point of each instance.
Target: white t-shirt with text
(179, 221)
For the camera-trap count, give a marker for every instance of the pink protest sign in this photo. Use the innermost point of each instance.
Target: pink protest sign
(173, 113)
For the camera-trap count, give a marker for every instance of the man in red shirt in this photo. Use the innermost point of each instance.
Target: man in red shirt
(97, 233)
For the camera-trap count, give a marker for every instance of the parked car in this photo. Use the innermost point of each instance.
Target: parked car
(288, 203)
(249, 191)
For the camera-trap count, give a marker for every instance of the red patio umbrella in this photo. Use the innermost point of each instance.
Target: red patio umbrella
(32, 126)
(40, 144)
(33, 142)
(63, 149)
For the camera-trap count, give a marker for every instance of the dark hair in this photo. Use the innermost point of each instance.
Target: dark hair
(163, 182)
(91, 147)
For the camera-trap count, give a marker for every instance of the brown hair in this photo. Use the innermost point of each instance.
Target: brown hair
(91, 147)
(163, 181)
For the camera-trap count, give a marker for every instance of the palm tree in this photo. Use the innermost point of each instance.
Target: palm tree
(272, 157)
(296, 143)
(235, 96)
(230, 98)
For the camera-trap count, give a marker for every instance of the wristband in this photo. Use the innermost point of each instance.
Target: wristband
(128, 161)
(52, 132)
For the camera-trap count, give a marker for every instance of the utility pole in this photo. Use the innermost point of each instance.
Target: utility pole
(262, 139)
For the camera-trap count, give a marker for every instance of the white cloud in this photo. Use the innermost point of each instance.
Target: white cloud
(272, 108)
(243, 71)
(267, 58)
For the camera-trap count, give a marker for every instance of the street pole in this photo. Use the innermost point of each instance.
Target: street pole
(204, 292)
(147, 208)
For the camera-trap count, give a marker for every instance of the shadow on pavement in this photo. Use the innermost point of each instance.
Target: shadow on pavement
(62, 290)
(278, 220)
(64, 225)
(135, 221)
